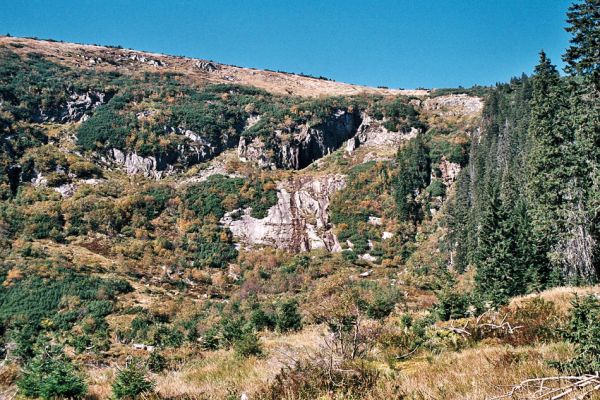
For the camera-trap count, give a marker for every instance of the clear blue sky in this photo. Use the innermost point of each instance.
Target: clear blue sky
(403, 43)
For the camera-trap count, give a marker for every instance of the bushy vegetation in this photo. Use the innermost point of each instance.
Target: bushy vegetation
(50, 375)
(131, 382)
(220, 194)
(32, 305)
(392, 196)
(106, 128)
(583, 330)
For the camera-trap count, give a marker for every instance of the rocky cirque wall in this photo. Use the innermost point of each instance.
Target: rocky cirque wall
(299, 148)
(298, 222)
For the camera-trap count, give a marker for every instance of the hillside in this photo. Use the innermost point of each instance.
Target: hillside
(176, 228)
(196, 71)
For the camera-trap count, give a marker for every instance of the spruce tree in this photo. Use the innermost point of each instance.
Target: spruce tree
(51, 375)
(414, 171)
(546, 164)
(502, 255)
(583, 56)
(458, 213)
(580, 241)
(131, 382)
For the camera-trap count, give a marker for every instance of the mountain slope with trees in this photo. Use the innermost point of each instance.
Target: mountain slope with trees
(395, 244)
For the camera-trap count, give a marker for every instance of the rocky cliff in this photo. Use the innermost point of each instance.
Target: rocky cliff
(372, 133)
(298, 148)
(298, 222)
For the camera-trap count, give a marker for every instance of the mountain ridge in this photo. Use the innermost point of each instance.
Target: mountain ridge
(204, 70)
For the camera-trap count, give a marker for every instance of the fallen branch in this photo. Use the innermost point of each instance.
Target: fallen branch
(577, 388)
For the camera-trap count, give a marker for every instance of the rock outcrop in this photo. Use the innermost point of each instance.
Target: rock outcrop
(194, 151)
(454, 105)
(449, 171)
(206, 66)
(140, 58)
(255, 151)
(300, 147)
(151, 166)
(372, 133)
(298, 222)
(76, 109)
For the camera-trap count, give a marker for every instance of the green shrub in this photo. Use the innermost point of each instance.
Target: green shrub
(45, 224)
(208, 198)
(452, 304)
(85, 169)
(106, 128)
(436, 188)
(383, 304)
(583, 330)
(232, 329)
(156, 362)
(414, 171)
(50, 375)
(24, 304)
(210, 339)
(261, 320)
(131, 382)
(56, 179)
(248, 345)
(165, 336)
(288, 317)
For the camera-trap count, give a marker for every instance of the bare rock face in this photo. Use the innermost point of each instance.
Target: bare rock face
(154, 167)
(255, 151)
(298, 222)
(454, 105)
(449, 171)
(372, 133)
(140, 58)
(299, 148)
(195, 150)
(75, 109)
(206, 66)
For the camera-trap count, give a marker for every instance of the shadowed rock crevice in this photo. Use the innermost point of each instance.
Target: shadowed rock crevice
(304, 145)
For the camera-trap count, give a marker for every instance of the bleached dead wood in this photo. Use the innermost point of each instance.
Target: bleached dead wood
(468, 329)
(555, 388)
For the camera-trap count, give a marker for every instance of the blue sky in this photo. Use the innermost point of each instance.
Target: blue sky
(402, 43)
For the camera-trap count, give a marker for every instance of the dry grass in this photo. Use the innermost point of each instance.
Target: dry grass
(280, 83)
(473, 374)
(560, 296)
(99, 383)
(219, 374)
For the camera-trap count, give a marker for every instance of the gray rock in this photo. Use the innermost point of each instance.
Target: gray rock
(76, 109)
(454, 105)
(372, 133)
(136, 164)
(206, 66)
(449, 171)
(298, 148)
(145, 60)
(256, 152)
(298, 222)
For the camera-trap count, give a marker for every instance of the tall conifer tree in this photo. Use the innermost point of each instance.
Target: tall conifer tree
(546, 170)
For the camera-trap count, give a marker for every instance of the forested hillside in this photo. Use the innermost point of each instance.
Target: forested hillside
(526, 210)
(174, 228)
